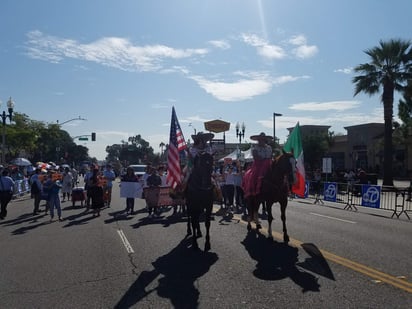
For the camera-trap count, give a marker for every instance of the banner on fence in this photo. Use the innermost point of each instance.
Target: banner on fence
(158, 196)
(371, 196)
(307, 186)
(329, 191)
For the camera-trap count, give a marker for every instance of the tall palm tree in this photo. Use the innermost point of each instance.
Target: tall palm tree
(390, 68)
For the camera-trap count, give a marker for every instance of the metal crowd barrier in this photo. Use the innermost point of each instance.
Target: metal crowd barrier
(395, 199)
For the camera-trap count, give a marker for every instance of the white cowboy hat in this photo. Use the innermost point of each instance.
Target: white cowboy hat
(262, 136)
(203, 136)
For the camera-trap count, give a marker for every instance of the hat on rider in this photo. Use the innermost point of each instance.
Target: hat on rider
(205, 137)
(262, 136)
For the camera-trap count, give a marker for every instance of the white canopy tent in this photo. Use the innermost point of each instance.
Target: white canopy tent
(244, 156)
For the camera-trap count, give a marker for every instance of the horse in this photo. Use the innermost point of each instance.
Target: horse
(274, 188)
(199, 197)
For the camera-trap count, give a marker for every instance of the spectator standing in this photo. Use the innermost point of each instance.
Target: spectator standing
(317, 178)
(53, 187)
(109, 174)
(152, 181)
(36, 190)
(67, 184)
(95, 190)
(162, 174)
(87, 177)
(238, 175)
(229, 187)
(6, 192)
(130, 177)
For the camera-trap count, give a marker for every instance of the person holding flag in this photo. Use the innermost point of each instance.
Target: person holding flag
(177, 145)
(294, 146)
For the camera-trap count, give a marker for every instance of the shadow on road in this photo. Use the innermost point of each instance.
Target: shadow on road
(277, 261)
(177, 273)
(316, 263)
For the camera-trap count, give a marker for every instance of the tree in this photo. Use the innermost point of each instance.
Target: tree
(390, 68)
(405, 106)
(315, 147)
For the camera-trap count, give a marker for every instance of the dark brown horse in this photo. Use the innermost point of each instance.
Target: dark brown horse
(199, 197)
(275, 188)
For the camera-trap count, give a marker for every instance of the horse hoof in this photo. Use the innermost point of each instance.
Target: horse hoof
(195, 247)
(249, 227)
(258, 226)
(285, 239)
(199, 235)
(207, 247)
(189, 232)
(270, 238)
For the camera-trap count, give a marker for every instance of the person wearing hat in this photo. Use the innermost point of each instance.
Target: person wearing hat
(262, 159)
(200, 143)
(199, 146)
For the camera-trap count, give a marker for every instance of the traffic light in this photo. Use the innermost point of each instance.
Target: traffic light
(93, 136)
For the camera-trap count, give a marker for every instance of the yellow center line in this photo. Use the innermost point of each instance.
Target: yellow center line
(400, 283)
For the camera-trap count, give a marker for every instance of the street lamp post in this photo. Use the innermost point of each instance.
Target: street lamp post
(4, 116)
(240, 131)
(64, 122)
(274, 125)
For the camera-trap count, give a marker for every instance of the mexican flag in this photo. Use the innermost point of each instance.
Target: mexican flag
(294, 144)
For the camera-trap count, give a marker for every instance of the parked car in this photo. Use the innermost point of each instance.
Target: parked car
(139, 169)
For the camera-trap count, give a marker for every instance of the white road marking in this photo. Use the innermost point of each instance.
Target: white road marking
(333, 218)
(126, 243)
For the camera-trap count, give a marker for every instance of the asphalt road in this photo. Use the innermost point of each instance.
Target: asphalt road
(335, 259)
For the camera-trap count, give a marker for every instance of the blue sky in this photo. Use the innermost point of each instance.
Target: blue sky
(122, 65)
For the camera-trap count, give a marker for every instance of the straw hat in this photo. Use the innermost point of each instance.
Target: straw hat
(262, 136)
(203, 136)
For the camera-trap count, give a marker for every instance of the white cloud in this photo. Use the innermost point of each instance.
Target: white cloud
(264, 49)
(270, 51)
(242, 89)
(344, 70)
(110, 51)
(298, 40)
(305, 51)
(222, 44)
(322, 106)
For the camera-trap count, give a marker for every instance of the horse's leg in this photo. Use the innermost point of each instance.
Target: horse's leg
(256, 214)
(194, 217)
(189, 222)
(283, 205)
(198, 232)
(208, 214)
(270, 219)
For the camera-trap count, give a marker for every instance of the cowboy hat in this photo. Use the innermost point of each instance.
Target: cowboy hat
(203, 136)
(262, 136)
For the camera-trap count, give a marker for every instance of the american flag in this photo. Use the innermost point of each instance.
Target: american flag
(176, 144)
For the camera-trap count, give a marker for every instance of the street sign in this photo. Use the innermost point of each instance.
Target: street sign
(83, 138)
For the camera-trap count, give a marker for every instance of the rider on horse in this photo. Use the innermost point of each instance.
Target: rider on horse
(199, 189)
(262, 159)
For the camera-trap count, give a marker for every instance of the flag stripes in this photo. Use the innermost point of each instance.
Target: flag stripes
(176, 144)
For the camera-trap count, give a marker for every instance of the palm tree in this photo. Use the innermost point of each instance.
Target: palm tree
(390, 68)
